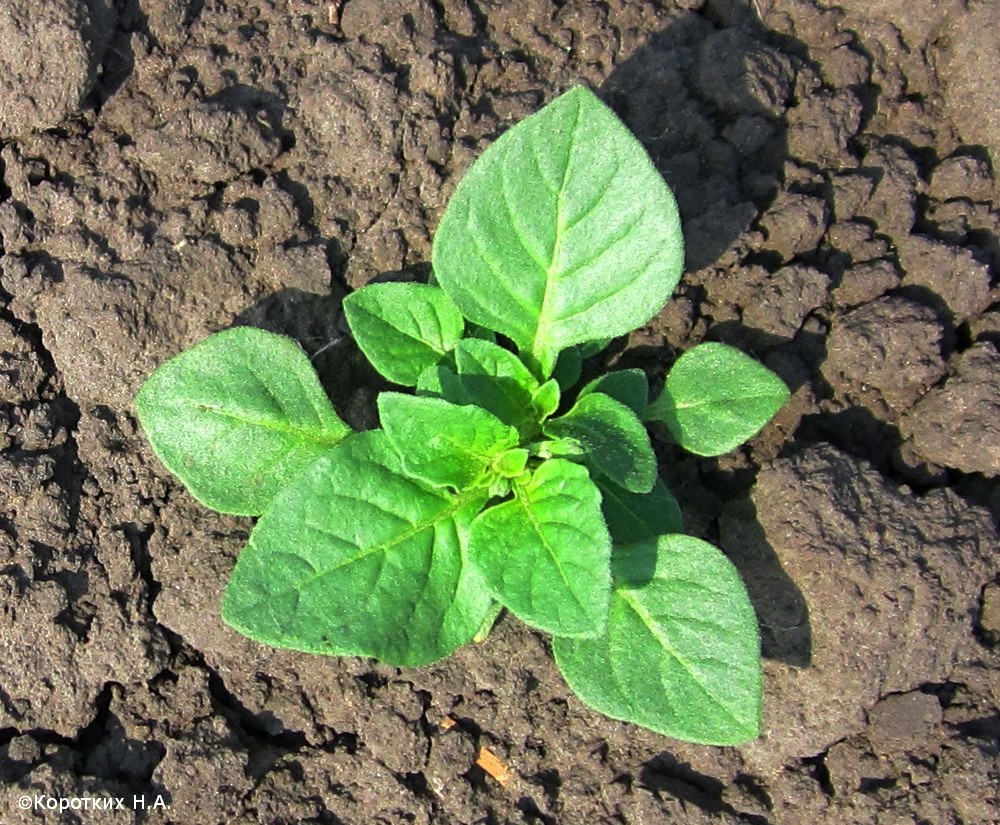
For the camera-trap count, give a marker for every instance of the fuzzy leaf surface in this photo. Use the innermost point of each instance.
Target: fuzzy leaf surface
(568, 368)
(716, 397)
(628, 387)
(546, 400)
(634, 517)
(403, 328)
(615, 440)
(441, 443)
(512, 463)
(356, 558)
(486, 375)
(681, 651)
(561, 232)
(237, 417)
(430, 382)
(545, 553)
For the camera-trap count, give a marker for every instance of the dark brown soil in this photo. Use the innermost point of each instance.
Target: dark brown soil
(172, 167)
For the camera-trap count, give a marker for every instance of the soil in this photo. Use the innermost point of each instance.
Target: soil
(172, 167)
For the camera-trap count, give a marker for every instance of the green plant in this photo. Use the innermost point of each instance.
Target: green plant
(494, 482)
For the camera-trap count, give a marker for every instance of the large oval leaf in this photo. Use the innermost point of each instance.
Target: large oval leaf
(681, 651)
(237, 417)
(358, 559)
(561, 232)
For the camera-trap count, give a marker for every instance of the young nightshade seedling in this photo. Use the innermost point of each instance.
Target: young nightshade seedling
(493, 480)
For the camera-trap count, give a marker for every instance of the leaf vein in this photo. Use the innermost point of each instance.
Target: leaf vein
(501, 281)
(319, 434)
(537, 526)
(620, 236)
(594, 202)
(597, 298)
(543, 321)
(684, 661)
(415, 529)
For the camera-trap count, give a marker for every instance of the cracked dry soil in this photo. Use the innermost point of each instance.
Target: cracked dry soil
(172, 167)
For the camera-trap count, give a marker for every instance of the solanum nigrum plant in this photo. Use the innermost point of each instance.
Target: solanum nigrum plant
(493, 481)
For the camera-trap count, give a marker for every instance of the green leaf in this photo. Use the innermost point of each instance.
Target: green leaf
(715, 398)
(588, 349)
(512, 463)
(403, 328)
(431, 380)
(441, 443)
(634, 517)
(545, 401)
(559, 447)
(615, 440)
(629, 387)
(237, 417)
(487, 626)
(476, 331)
(358, 559)
(487, 376)
(561, 232)
(545, 553)
(681, 652)
(569, 367)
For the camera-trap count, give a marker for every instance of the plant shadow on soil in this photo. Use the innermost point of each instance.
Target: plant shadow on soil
(711, 122)
(720, 186)
(719, 194)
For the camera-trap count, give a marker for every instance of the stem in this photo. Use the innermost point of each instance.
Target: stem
(488, 622)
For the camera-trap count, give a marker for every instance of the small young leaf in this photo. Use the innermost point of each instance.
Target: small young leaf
(487, 626)
(403, 328)
(545, 553)
(681, 652)
(560, 447)
(512, 463)
(237, 417)
(715, 398)
(545, 401)
(634, 517)
(441, 443)
(358, 559)
(615, 440)
(488, 376)
(568, 369)
(561, 232)
(629, 387)
(476, 357)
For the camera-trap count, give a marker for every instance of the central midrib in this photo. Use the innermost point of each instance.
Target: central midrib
(404, 536)
(647, 619)
(318, 434)
(541, 329)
